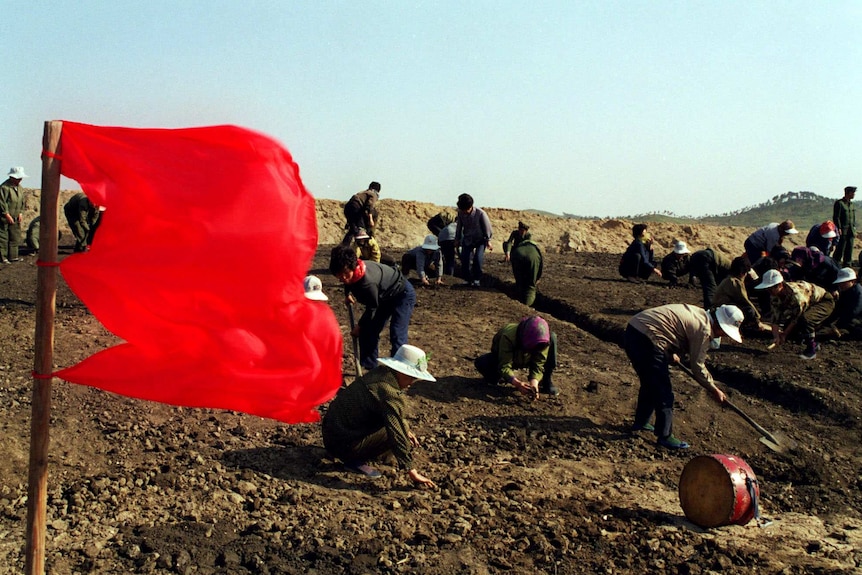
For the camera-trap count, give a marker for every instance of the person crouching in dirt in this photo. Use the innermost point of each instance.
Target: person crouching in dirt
(425, 259)
(386, 295)
(814, 267)
(824, 237)
(368, 248)
(675, 265)
(848, 310)
(530, 345)
(638, 261)
(733, 291)
(657, 336)
(796, 307)
(527, 268)
(366, 418)
(515, 238)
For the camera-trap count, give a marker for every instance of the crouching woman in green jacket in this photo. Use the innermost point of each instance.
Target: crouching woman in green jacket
(530, 345)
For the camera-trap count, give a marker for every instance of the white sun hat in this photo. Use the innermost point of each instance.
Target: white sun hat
(314, 288)
(409, 360)
(770, 278)
(17, 172)
(680, 248)
(845, 275)
(730, 318)
(430, 243)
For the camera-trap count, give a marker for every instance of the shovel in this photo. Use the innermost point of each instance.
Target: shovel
(774, 441)
(355, 340)
(777, 442)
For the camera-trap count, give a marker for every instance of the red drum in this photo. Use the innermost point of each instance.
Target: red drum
(716, 490)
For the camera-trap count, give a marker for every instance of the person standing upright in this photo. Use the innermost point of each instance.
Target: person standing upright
(844, 216)
(359, 212)
(11, 215)
(473, 236)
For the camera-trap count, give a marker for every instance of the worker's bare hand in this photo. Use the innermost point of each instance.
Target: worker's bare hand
(414, 441)
(420, 479)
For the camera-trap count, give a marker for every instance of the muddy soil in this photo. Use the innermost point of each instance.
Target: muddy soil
(558, 485)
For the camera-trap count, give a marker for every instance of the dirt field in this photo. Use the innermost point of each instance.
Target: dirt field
(554, 486)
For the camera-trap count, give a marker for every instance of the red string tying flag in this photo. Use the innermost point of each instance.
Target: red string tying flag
(198, 266)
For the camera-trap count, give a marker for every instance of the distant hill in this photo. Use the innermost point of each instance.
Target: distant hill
(804, 208)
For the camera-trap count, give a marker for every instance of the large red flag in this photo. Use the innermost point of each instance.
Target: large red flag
(198, 266)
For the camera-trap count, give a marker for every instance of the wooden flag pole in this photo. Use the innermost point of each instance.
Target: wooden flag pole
(46, 296)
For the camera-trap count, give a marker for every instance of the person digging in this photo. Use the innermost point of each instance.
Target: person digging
(657, 336)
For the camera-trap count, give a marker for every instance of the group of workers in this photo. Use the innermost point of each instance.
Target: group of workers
(799, 292)
(802, 294)
(82, 216)
(366, 419)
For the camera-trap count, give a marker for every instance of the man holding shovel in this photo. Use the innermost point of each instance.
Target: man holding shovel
(654, 338)
(386, 295)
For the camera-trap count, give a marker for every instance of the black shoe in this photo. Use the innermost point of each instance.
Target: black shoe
(549, 388)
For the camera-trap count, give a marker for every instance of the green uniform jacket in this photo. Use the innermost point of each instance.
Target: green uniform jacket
(844, 216)
(371, 403)
(515, 238)
(11, 199)
(510, 356)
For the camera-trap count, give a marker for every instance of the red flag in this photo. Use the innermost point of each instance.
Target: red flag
(198, 266)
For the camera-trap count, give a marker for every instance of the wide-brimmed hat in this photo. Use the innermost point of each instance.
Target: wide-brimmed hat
(770, 278)
(430, 243)
(409, 360)
(845, 275)
(828, 230)
(17, 172)
(361, 234)
(314, 289)
(787, 227)
(730, 318)
(680, 248)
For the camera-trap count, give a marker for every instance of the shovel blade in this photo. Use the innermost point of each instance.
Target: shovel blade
(771, 445)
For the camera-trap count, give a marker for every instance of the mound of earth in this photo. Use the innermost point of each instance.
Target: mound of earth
(558, 485)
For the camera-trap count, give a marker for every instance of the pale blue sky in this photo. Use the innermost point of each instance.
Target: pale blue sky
(591, 108)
